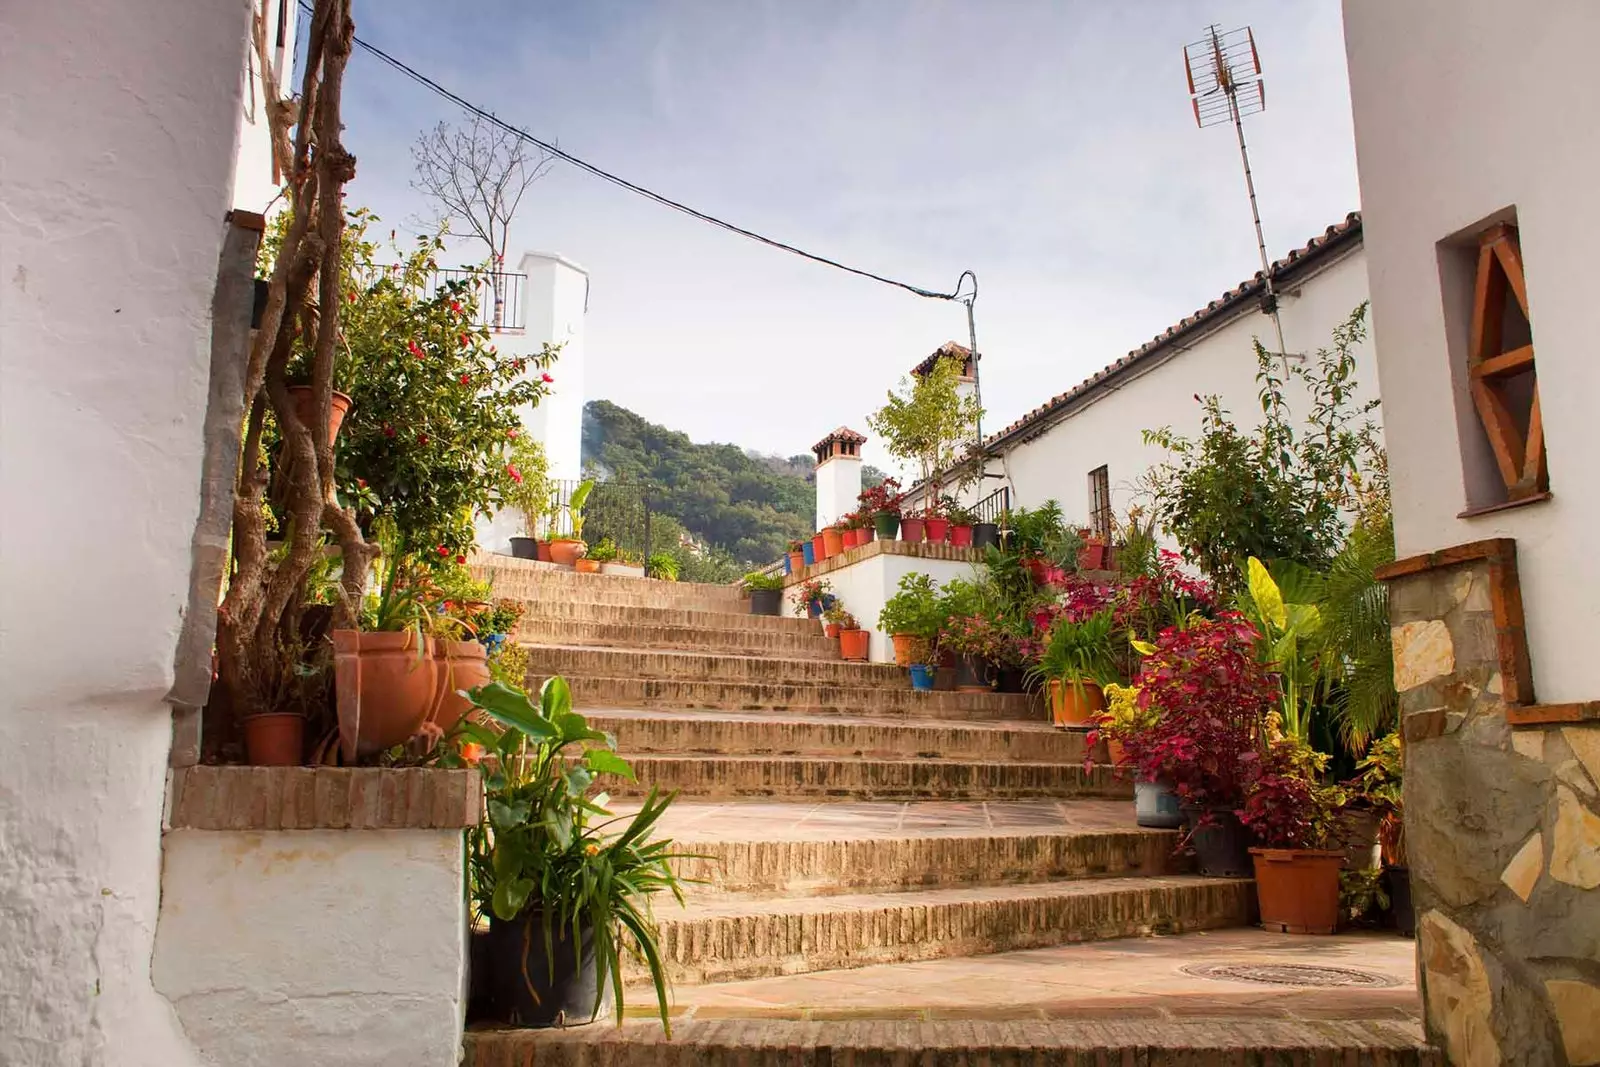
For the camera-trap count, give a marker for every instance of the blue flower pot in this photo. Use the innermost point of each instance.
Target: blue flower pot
(921, 677)
(808, 552)
(788, 568)
(814, 609)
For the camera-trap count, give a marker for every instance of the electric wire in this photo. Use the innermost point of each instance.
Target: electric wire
(549, 147)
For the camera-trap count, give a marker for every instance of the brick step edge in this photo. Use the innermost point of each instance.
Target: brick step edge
(905, 927)
(883, 1038)
(815, 699)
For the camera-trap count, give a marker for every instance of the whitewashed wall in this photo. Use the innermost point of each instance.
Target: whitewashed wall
(315, 946)
(838, 488)
(254, 187)
(1446, 139)
(1106, 428)
(865, 587)
(117, 150)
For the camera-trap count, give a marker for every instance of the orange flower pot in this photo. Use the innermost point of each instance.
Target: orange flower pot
(544, 552)
(819, 548)
(853, 644)
(305, 408)
(586, 566)
(1073, 705)
(833, 542)
(830, 629)
(566, 550)
(1114, 752)
(907, 649)
(461, 665)
(276, 739)
(385, 684)
(1298, 889)
(797, 562)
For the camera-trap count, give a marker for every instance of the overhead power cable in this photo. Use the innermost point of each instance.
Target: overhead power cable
(427, 82)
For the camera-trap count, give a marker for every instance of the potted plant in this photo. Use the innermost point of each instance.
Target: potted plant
(625, 563)
(922, 677)
(1010, 657)
(1294, 817)
(962, 520)
(568, 549)
(812, 597)
(1077, 659)
(819, 547)
(854, 642)
(976, 641)
(985, 535)
(1382, 771)
(766, 592)
(1042, 540)
(564, 892)
(833, 540)
(935, 523)
(1122, 725)
(881, 506)
(808, 552)
(908, 618)
(926, 420)
(596, 556)
(528, 491)
(912, 528)
(797, 557)
(1213, 697)
(833, 616)
(662, 566)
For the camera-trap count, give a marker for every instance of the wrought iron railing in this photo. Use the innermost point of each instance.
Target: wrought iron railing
(620, 511)
(496, 296)
(993, 507)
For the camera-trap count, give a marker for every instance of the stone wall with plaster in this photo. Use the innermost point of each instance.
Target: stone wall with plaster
(1502, 829)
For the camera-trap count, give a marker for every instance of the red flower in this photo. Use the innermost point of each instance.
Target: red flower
(351, 296)
(455, 305)
(422, 438)
(443, 550)
(461, 559)
(547, 378)
(516, 475)
(511, 435)
(388, 431)
(520, 363)
(466, 379)
(466, 340)
(415, 349)
(361, 483)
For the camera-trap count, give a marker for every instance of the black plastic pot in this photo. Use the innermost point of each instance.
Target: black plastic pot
(525, 547)
(972, 673)
(1222, 845)
(766, 601)
(1010, 680)
(522, 987)
(1401, 908)
(985, 534)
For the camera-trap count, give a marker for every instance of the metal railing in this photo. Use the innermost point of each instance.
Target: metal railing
(620, 511)
(496, 297)
(993, 507)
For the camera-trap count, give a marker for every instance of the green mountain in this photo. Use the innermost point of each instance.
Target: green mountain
(744, 502)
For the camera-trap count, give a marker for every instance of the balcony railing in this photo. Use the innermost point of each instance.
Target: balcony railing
(496, 297)
(993, 507)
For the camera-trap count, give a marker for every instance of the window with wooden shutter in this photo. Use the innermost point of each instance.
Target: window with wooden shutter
(1500, 366)
(1100, 503)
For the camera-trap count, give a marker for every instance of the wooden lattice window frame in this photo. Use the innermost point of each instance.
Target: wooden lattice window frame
(1519, 454)
(1100, 502)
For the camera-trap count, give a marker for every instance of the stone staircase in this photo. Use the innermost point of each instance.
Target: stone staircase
(840, 820)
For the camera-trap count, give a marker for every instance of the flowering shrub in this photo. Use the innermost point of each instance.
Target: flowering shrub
(978, 636)
(1149, 603)
(1212, 697)
(882, 499)
(1285, 806)
(1123, 720)
(812, 591)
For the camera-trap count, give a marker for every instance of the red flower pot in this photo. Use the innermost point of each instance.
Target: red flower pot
(819, 548)
(1039, 568)
(830, 629)
(543, 550)
(833, 542)
(853, 644)
(849, 539)
(911, 529)
(865, 535)
(961, 536)
(1092, 557)
(938, 529)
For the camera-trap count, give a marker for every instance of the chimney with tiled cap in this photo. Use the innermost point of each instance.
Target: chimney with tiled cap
(967, 384)
(838, 474)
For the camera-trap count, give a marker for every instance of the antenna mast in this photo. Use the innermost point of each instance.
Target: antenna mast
(1225, 85)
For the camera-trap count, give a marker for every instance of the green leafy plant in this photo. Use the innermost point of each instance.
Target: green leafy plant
(1286, 804)
(662, 565)
(529, 488)
(811, 591)
(928, 418)
(761, 580)
(1358, 653)
(1042, 533)
(912, 609)
(1289, 641)
(1382, 773)
(1077, 652)
(574, 507)
(605, 551)
(540, 846)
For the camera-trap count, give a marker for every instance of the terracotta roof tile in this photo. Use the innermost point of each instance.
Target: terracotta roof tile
(842, 433)
(949, 348)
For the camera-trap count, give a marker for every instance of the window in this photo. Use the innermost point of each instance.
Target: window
(1100, 503)
(1500, 382)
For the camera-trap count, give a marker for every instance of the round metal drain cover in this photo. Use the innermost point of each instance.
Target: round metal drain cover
(1300, 974)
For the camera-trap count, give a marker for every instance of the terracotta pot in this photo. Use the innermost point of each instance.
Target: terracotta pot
(385, 684)
(306, 409)
(832, 542)
(1038, 568)
(830, 629)
(819, 548)
(797, 562)
(566, 550)
(854, 644)
(1092, 557)
(864, 536)
(544, 552)
(961, 536)
(906, 649)
(938, 529)
(911, 529)
(1114, 752)
(276, 739)
(460, 665)
(1073, 705)
(524, 548)
(1298, 889)
(586, 566)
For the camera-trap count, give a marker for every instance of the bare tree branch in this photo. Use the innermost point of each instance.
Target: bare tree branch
(478, 173)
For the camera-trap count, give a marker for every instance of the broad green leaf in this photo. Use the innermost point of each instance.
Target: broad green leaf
(602, 762)
(579, 779)
(511, 707)
(555, 697)
(510, 897)
(1304, 619)
(504, 815)
(1264, 591)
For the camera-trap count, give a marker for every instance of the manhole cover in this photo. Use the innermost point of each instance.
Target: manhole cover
(1301, 974)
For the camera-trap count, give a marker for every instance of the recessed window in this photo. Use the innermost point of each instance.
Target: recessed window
(1100, 503)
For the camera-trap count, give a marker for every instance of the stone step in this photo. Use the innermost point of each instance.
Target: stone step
(727, 939)
(648, 731)
(788, 644)
(835, 777)
(756, 847)
(569, 659)
(559, 609)
(629, 691)
(757, 1037)
(523, 580)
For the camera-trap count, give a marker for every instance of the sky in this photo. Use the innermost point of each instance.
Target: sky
(1047, 145)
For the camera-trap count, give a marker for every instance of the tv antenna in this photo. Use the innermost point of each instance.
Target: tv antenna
(1225, 85)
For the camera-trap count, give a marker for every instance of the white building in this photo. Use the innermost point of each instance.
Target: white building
(256, 180)
(1085, 447)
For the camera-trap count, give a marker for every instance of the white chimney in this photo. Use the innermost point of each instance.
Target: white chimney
(838, 474)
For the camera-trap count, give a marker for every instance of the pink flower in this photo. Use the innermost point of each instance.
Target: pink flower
(461, 559)
(444, 551)
(515, 474)
(511, 435)
(466, 379)
(466, 339)
(415, 349)
(546, 378)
